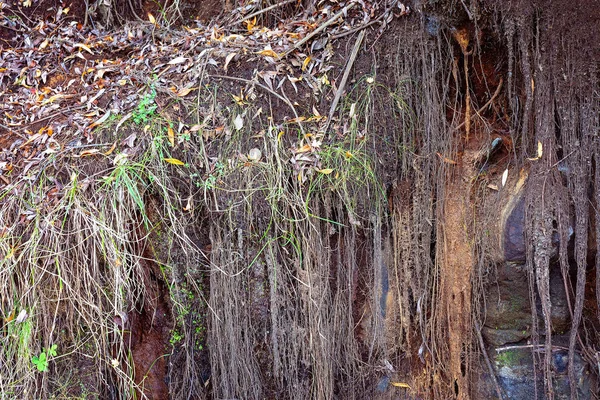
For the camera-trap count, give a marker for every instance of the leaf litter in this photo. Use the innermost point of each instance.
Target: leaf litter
(61, 81)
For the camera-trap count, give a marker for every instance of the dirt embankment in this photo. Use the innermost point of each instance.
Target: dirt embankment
(299, 199)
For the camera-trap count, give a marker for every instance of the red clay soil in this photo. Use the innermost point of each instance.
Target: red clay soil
(149, 335)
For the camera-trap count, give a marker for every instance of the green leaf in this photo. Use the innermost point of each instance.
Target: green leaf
(41, 362)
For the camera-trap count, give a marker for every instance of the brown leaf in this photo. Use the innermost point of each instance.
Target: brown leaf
(446, 160)
(184, 91)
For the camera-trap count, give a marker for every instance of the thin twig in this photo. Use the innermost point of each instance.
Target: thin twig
(364, 26)
(280, 97)
(264, 10)
(342, 85)
(319, 29)
(487, 361)
(534, 347)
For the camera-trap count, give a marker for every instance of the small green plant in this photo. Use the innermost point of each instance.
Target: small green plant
(41, 361)
(211, 181)
(146, 107)
(176, 337)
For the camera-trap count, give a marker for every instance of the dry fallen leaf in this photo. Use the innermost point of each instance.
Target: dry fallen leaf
(352, 113)
(177, 60)
(84, 47)
(112, 148)
(304, 149)
(22, 316)
(238, 122)
(250, 24)
(228, 60)
(305, 63)
(446, 160)
(325, 171)
(401, 384)
(100, 120)
(254, 154)
(188, 206)
(89, 152)
(504, 177)
(171, 135)
(268, 53)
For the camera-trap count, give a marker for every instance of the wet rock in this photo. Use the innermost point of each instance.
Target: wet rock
(513, 235)
(383, 384)
(508, 306)
(501, 336)
(515, 372)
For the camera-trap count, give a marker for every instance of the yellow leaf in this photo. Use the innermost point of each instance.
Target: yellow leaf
(171, 134)
(51, 99)
(268, 53)
(326, 171)
(10, 317)
(250, 24)
(84, 47)
(279, 135)
(305, 63)
(304, 149)
(401, 384)
(349, 155)
(151, 18)
(239, 99)
(112, 148)
(174, 161)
